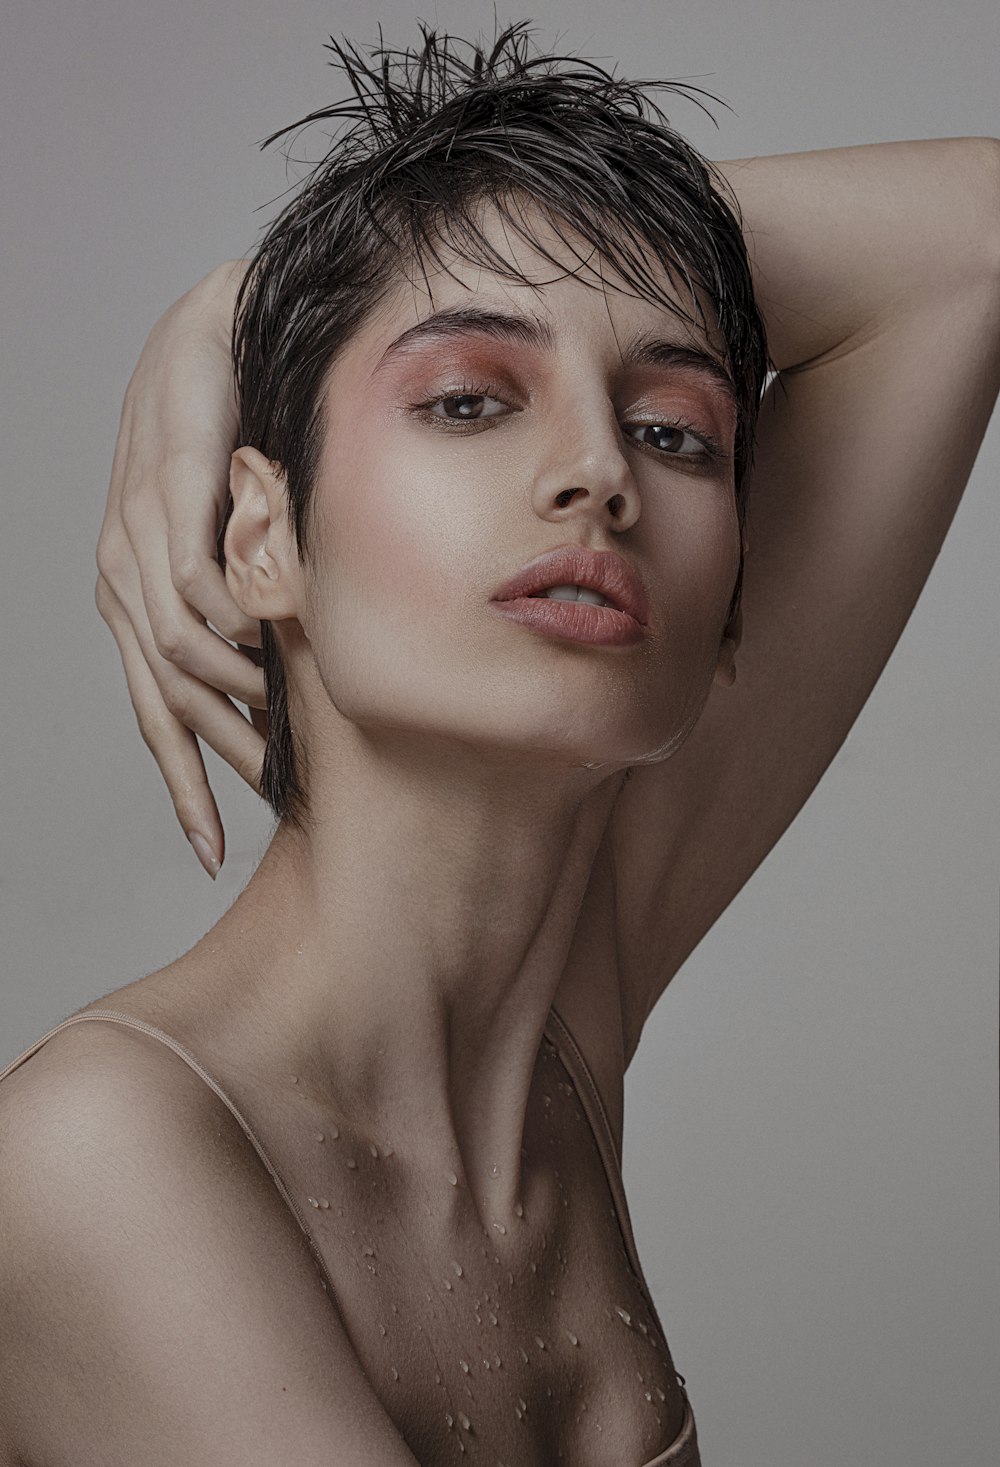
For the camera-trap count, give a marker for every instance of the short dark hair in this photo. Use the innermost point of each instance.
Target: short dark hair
(429, 134)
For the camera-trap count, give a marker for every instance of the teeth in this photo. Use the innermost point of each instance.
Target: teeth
(575, 593)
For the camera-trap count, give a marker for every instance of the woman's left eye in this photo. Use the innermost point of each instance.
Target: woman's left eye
(665, 436)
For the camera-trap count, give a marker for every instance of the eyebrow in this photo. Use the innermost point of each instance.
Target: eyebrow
(641, 351)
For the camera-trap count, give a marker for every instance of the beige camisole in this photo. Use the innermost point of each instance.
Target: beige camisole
(683, 1452)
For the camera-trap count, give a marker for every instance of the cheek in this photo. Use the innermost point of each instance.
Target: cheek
(402, 561)
(697, 536)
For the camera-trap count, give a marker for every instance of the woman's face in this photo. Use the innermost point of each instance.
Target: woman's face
(424, 505)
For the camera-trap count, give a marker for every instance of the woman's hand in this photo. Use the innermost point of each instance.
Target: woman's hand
(160, 583)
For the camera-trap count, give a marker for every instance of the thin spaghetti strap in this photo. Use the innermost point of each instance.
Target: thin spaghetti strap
(683, 1452)
(590, 1097)
(112, 1016)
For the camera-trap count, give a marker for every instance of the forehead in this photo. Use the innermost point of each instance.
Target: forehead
(554, 276)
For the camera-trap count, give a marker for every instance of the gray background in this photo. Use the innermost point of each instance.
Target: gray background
(811, 1134)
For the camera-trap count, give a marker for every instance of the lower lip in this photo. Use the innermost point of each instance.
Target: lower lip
(573, 621)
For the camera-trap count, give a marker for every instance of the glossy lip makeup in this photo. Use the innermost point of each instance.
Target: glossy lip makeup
(573, 621)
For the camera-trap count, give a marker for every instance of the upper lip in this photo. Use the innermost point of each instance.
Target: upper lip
(603, 571)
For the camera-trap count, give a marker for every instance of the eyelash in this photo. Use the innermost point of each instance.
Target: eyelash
(712, 449)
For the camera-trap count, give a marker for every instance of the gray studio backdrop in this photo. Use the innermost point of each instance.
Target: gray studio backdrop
(810, 1135)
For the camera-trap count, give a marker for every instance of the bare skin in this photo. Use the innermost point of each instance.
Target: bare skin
(441, 790)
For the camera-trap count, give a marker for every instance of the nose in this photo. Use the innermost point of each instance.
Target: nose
(584, 469)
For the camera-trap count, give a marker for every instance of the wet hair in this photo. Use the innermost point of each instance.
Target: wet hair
(426, 136)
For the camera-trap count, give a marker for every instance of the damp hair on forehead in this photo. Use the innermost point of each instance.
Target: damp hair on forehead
(421, 141)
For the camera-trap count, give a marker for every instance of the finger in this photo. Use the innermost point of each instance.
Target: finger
(174, 747)
(200, 709)
(181, 637)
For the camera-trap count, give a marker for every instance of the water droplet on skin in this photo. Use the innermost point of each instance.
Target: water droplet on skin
(642, 1328)
(447, 1284)
(437, 1377)
(295, 1079)
(572, 1337)
(394, 1309)
(486, 1363)
(324, 1202)
(499, 1227)
(478, 1318)
(522, 1404)
(510, 1278)
(368, 1252)
(464, 1422)
(373, 1149)
(522, 1354)
(313, 1201)
(623, 1315)
(518, 1210)
(497, 1361)
(453, 1179)
(661, 1394)
(387, 1151)
(320, 1136)
(465, 1366)
(533, 1267)
(352, 1164)
(450, 1419)
(457, 1269)
(382, 1330)
(540, 1342)
(335, 1132)
(518, 1413)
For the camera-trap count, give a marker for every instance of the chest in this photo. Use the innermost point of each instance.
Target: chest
(528, 1342)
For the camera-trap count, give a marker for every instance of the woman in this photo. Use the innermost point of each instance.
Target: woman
(376, 1214)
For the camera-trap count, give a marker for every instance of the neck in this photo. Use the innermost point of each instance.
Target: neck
(407, 946)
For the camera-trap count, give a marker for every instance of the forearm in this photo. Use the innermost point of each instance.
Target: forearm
(841, 239)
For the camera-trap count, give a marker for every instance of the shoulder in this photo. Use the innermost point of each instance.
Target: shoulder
(145, 1256)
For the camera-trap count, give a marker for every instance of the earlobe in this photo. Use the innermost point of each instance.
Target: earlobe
(261, 563)
(725, 669)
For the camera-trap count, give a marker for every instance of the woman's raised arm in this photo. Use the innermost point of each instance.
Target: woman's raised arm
(160, 584)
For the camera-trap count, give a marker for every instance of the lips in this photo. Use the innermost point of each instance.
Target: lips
(602, 571)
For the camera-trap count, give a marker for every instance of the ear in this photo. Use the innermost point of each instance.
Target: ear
(725, 669)
(262, 565)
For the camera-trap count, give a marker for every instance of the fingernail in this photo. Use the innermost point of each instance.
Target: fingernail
(205, 854)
